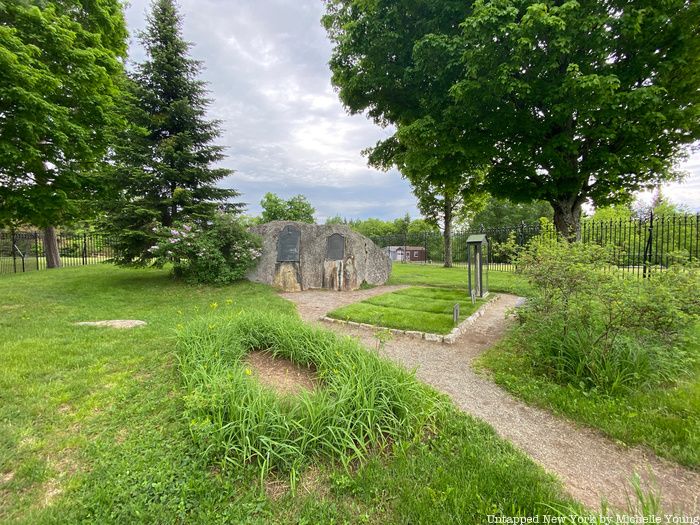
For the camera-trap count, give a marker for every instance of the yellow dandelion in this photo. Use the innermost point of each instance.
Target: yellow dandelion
(248, 371)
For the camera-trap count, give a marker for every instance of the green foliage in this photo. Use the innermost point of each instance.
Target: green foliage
(219, 252)
(275, 208)
(597, 329)
(423, 309)
(163, 164)
(378, 228)
(61, 63)
(362, 402)
(500, 213)
(569, 101)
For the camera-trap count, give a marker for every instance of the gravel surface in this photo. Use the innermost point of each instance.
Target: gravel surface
(592, 467)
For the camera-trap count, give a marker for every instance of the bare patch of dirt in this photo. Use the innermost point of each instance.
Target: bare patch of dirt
(65, 467)
(282, 375)
(52, 490)
(5, 307)
(65, 409)
(276, 488)
(312, 481)
(114, 323)
(121, 436)
(6, 477)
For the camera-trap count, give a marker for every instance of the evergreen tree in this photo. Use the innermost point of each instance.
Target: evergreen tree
(164, 164)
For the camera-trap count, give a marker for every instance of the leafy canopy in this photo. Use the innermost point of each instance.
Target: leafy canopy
(567, 101)
(275, 208)
(61, 62)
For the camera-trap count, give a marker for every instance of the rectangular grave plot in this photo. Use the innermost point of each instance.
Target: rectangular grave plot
(288, 245)
(335, 247)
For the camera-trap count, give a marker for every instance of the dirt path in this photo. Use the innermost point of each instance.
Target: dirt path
(592, 467)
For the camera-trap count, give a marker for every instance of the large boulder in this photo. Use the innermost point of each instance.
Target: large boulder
(298, 256)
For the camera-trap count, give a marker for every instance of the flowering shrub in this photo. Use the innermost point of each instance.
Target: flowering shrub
(216, 252)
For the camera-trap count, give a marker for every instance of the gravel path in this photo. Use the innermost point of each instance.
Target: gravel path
(592, 467)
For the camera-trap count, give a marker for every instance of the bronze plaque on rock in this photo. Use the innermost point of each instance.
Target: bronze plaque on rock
(288, 244)
(335, 248)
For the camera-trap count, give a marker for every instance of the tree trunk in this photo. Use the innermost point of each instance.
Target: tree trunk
(447, 232)
(53, 257)
(567, 217)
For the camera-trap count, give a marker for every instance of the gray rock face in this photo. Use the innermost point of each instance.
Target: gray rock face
(362, 261)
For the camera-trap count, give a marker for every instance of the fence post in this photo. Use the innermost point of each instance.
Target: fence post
(647, 248)
(36, 249)
(404, 247)
(521, 234)
(84, 249)
(14, 253)
(425, 245)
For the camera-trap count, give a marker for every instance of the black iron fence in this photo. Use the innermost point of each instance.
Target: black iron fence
(22, 251)
(637, 245)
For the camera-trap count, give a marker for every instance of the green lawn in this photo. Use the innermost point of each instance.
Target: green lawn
(665, 419)
(92, 425)
(422, 309)
(7, 264)
(429, 275)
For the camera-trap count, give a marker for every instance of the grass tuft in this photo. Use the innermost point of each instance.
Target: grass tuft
(363, 402)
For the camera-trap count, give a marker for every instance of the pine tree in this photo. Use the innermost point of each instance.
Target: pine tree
(164, 170)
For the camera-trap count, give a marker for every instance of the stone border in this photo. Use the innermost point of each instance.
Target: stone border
(449, 339)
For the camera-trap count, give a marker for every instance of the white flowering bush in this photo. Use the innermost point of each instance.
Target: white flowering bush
(219, 251)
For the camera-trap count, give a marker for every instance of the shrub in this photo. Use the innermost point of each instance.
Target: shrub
(218, 252)
(597, 328)
(363, 402)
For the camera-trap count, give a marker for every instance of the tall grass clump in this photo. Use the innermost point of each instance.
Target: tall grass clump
(362, 402)
(598, 329)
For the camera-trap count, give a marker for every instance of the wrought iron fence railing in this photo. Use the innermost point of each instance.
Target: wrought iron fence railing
(22, 251)
(637, 245)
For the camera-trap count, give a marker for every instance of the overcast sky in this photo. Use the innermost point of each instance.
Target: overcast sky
(283, 125)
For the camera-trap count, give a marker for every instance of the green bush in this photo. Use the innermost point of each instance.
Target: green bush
(363, 402)
(596, 328)
(218, 252)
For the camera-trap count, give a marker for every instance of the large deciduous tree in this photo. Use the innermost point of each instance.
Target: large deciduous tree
(396, 61)
(61, 62)
(569, 101)
(582, 99)
(164, 168)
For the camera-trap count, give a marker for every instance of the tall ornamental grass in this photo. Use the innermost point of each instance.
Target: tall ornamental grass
(362, 402)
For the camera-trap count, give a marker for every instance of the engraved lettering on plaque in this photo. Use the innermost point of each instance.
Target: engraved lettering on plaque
(335, 248)
(288, 244)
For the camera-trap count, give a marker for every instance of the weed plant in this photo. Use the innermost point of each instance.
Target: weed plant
(362, 402)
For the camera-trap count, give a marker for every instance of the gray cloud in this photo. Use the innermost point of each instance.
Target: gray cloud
(284, 128)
